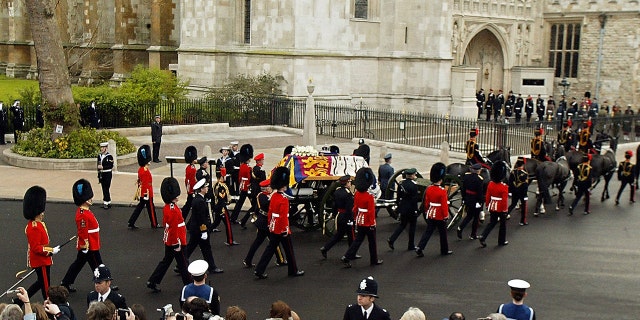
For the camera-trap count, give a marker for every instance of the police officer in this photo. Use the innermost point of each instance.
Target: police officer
(583, 184)
(105, 166)
(538, 150)
(366, 308)
(18, 119)
(385, 172)
(343, 211)
(3, 123)
(103, 291)
(473, 150)
(560, 112)
(199, 226)
(156, 137)
(175, 236)
(408, 198)
(626, 175)
(497, 200)
(518, 188)
(473, 196)
(517, 309)
(437, 210)
(94, 118)
(190, 158)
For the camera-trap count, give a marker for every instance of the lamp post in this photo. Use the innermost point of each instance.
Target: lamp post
(309, 131)
(602, 18)
(564, 84)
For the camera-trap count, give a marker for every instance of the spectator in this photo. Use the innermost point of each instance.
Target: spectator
(59, 295)
(38, 309)
(494, 316)
(280, 310)
(139, 312)
(367, 294)
(517, 309)
(2, 306)
(197, 307)
(199, 288)
(235, 313)
(12, 312)
(413, 314)
(456, 316)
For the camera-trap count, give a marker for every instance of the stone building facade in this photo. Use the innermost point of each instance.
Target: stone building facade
(427, 55)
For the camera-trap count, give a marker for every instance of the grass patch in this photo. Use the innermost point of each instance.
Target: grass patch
(10, 88)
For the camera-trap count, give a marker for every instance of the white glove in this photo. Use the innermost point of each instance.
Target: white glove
(85, 251)
(146, 197)
(510, 194)
(204, 236)
(478, 205)
(177, 249)
(56, 249)
(526, 198)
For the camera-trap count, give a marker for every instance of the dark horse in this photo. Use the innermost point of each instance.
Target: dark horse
(456, 170)
(531, 165)
(603, 166)
(551, 174)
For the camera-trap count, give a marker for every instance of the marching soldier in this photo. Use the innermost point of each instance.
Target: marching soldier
(257, 175)
(190, 157)
(365, 218)
(565, 136)
(262, 226)
(3, 123)
(408, 198)
(222, 198)
(518, 188)
(279, 231)
(583, 184)
(39, 251)
(105, 166)
(203, 173)
(473, 150)
(538, 151)
(175, 236)
(473, 196)
(584, 138)
(145, 187)
(497, 200)
(626, 175)
(18, 119)
(437, 211)
(244, 181)
(342, 210)
(88, 241)
(199, 226)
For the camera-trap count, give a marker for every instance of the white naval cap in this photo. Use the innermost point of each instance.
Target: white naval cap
(198, 268)
(518, 285)
(104, 144)
(234, 142)
(201, 183)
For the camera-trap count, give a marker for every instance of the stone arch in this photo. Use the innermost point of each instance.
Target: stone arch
(487, 50)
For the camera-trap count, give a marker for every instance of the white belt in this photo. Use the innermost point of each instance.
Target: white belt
(434, 204)
(181, 224)
(496, 198)
(245, 179)
(275, 215)
(109, 170)
(363, 210)
(94, 230)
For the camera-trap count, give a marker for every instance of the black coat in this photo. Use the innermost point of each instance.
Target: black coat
(354, 312)
(113, 296)
(472, 188)
(409, 198)
(156, 131)
(200, 220)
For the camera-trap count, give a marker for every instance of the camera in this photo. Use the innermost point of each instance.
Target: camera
(166, 311)
(12, 293)
(123, 313)
(179, 316)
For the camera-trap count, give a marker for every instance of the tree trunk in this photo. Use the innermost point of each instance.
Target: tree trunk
(53, 74)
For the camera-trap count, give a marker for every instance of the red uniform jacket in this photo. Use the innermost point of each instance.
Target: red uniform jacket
(145, 181)
(436, 202)
(279, 214)
(244, 177)
(38, 251)
(364, 208)
(190, 178)
(497, 197)
(175, 231)
(88, 230)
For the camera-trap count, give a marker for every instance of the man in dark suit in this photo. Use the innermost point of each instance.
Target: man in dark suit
(365, 309)
(102, 282)
(94, 118)
(156, 137)
(3, 123)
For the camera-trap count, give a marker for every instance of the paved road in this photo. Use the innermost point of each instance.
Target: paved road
(580, 267)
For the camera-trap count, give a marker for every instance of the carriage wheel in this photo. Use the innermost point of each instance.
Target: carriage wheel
(391, 193)
(456, 208)
(326, 215)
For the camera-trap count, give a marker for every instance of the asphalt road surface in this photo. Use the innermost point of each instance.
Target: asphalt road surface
(580, 267)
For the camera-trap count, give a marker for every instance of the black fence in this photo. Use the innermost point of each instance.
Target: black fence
(349, 121)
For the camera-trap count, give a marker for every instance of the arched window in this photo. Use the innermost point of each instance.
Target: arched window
(361, 9)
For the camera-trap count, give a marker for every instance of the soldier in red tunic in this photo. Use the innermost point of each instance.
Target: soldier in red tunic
(244, 181)
(437, 210)
(39, 251)
(145, 183)
(175, 236)
(279, 231)
(364, 208)
(191, 158)
(497, 200)
(88, 241)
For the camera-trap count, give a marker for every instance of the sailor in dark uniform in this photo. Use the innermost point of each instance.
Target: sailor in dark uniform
(105, 166)
(199, 225)
(103, 291)
(583, 183)
(473, 196)
(517, 309)
(366, 309)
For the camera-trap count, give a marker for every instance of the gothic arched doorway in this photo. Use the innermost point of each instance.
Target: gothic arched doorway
(484, 52)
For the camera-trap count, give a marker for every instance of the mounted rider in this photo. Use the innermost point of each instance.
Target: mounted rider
(538, 150)
(473, 150)
(565, 136)
(584, 138)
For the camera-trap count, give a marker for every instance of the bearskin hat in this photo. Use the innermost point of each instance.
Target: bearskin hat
(437, 172)
(144, 155)
(246, 153)
(34, 202)
(81, 191)
(287, 151)
(364, 179)
(280, 178)
(498, 171)
(190, 154)
(169, 189)
(587, 94)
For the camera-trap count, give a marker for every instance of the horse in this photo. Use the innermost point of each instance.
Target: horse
(551, 174)
(531, 165)
(456, 170)
(602, 166)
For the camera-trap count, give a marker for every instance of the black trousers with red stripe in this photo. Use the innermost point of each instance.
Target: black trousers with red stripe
(342, 228)
(171, 254)
(42, 283)
(274, 241)
(151, 210)
(92, 257)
